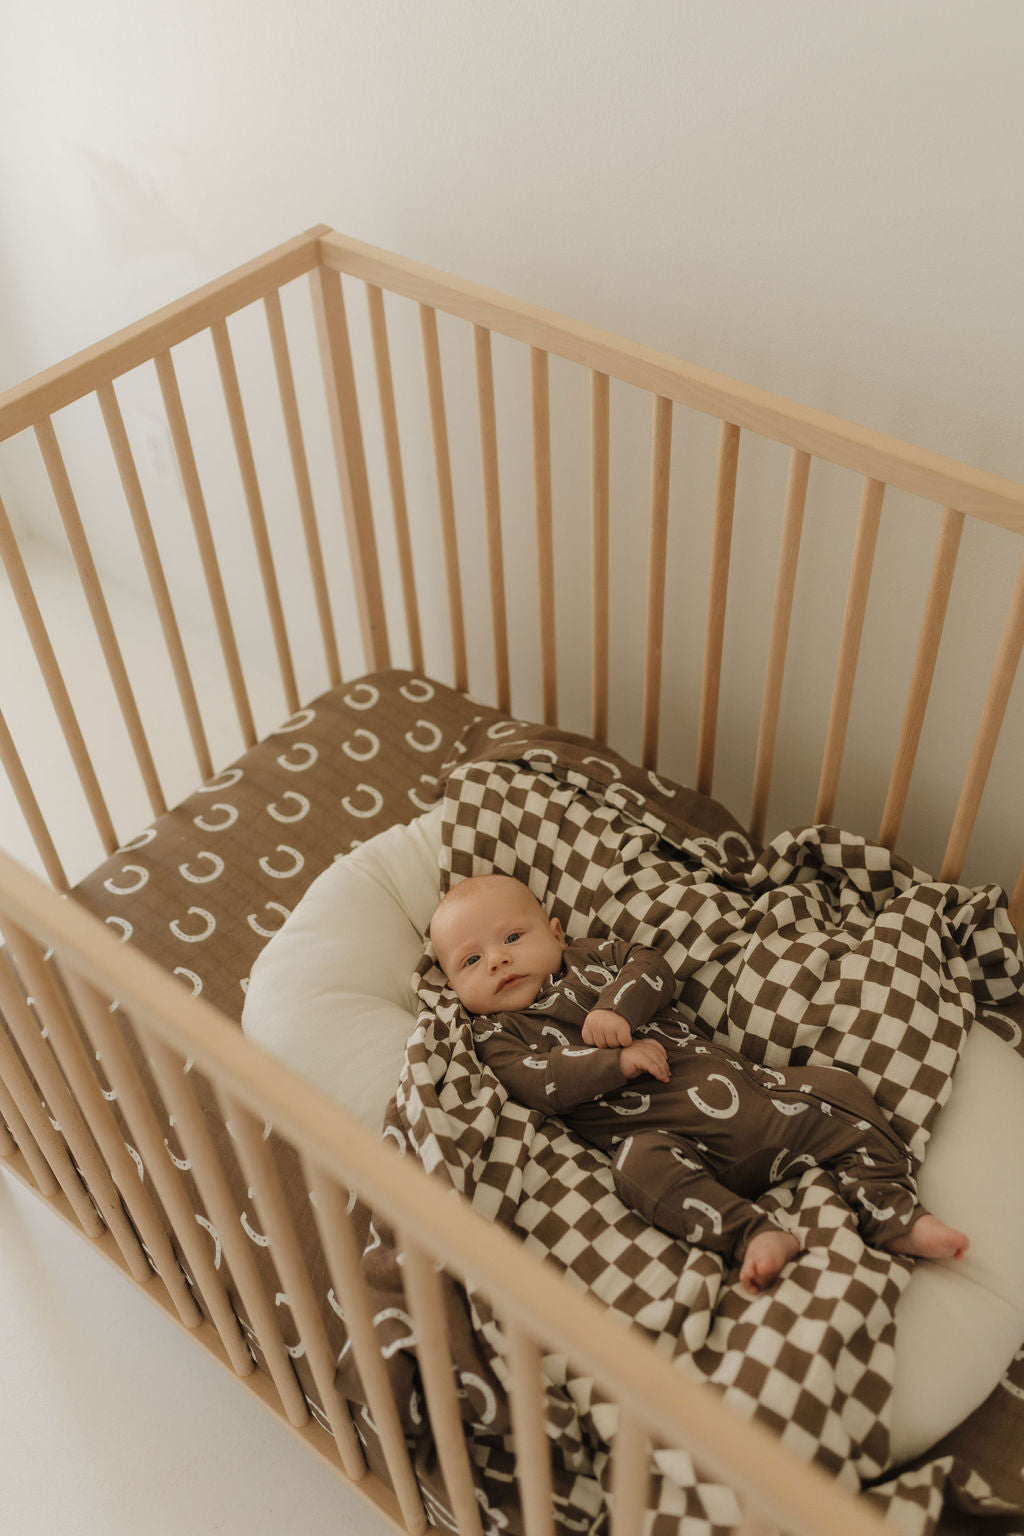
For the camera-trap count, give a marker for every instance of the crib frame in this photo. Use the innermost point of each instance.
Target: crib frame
(83, 1173)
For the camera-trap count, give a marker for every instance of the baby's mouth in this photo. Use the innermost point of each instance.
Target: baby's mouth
(509, 981)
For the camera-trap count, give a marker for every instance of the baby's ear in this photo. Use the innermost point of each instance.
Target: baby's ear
(557, 930)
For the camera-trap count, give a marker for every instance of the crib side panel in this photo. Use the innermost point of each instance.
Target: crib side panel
(295, 1307)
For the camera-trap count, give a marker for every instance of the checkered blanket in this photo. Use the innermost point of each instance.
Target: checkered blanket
(819, 948)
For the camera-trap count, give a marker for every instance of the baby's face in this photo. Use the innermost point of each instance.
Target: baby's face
(496, 944)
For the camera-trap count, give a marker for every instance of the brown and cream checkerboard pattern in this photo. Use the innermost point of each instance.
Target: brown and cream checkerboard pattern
(818, 949)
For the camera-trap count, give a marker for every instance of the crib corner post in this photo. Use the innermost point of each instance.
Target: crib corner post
(346, 431)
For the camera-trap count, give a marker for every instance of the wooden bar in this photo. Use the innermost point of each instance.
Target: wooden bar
(329, 1201)
(996, 700)
(396, 477)
(599, 516)
(846, 667)
(425, 1295)
(718, 588)
(211, 1181)
(18, 1102)
(276, 1223)
(936, 604)
(492, 509)
(8, 1145)
(631, 1476)
(254, 503)
(782, 612)
(868, 453)
(29, 807)
(540, 411)
(445, 496)
(38, 1057)
(1017, 903)
(32, 619)
(347, 437)
(661, 462)
(303, 485)
(204, 541)
(60, 484)
(533, 1448)
(139, 513)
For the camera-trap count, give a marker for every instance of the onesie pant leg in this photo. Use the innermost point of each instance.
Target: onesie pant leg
(664, 1178)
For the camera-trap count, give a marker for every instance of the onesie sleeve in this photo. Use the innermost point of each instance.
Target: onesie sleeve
(552, 1081)
(645, 984)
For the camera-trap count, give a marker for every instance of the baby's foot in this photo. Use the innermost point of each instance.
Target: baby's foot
(765, 1255)
(930, 1238)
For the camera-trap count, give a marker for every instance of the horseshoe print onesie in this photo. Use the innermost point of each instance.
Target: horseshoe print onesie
(693, 1154)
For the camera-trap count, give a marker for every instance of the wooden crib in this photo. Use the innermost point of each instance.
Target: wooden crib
(571, 500)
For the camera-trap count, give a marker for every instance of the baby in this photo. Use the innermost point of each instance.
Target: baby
(570, 1027)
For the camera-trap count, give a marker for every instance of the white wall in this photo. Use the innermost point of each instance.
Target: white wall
(821, 198)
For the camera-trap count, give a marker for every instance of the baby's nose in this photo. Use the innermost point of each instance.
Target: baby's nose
(499, 957)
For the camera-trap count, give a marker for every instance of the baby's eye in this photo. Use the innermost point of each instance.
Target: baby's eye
(512, 937)
(471, 960)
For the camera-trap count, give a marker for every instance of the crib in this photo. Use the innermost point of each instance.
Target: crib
(385, 481)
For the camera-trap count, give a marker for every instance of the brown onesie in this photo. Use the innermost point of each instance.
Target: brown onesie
(692, 1154)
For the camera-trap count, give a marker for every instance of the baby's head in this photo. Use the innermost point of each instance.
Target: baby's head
(495, 943)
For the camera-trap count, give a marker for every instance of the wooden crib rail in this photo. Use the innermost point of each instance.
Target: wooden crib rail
(540, 1309)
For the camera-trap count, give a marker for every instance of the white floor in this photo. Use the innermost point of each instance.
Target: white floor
(110, 1420)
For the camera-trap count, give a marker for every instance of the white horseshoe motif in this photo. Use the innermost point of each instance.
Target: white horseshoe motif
(267, 933)
(539, 1063)
(602, 763)
(506, 728)
(295, 1350)
(225, 780)
(776, 1176)
(218, 869)
(396, 1135)
(396, 1344)
(434, 736)
(289, 794)
(549, 1029)
(713, 1216)
(709, 1109)
(332, 1302)
(230, 817)
(136, 1159)
(580, 1050)
(197, 984)
(209, 924)
(297, 861)
(880, 1215)
(367, 703)
(534, 752)
(789, 1109)
(420, 804)
(112, 886)
(376, 801)
(125, 926)
(371, 751)
(184, 1163)
(1010, 1024)
(257, 1237)
(307, 756)
(138, 842)
(418, 691)
(296, 722)
(490, 1401)
(216, 1239)
(642, 1107)
(663, 789)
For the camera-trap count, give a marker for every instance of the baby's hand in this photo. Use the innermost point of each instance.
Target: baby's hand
(644, 1056)
(602, 1027)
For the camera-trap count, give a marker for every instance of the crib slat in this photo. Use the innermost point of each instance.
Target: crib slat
(533, 1448)
(138, 511)
(8, 1146)
(540, 410)
(36, 1139)
(55, 686)
(936, 604)
(67, 506)
(1017, 903)
(631, 1476)
(258, 1165)
(347, 434)
(782, 611)
(303, 486)
(996, 699)
(445, 496)
(211, 1180)
(29, 807)
(846, 667)
(661, 459)
(718, 587)
(425, 1296)
(599, 514)
(26, 1035)
(204, 540)
(492, 508)
(254, 503)
(396, 478)
(329, 1201)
